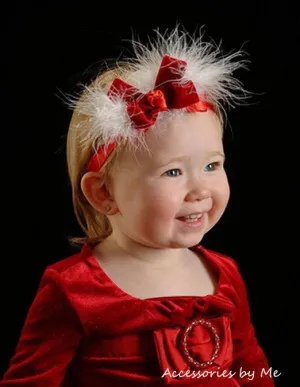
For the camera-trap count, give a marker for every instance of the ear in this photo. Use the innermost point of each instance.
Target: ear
(97, 194)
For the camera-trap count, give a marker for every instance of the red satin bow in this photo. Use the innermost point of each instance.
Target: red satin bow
(167, 94)
(143, 109)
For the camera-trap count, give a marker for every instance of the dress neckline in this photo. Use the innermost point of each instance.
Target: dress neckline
(100, 273)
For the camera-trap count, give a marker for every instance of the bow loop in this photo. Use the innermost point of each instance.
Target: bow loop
(171, 70)
(120, 88)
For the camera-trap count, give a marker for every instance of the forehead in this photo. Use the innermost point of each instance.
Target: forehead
(188, 134)
(191, 133)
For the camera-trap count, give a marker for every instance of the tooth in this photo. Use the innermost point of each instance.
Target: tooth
(193, 216)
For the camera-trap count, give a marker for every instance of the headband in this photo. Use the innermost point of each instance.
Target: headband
(174, 74)
(143, 109)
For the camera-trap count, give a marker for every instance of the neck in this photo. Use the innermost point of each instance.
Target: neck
(141, 254)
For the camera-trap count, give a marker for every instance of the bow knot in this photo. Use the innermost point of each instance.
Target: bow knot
(157, 99)
(200, 306)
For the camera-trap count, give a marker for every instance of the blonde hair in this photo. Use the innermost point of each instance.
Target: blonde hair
(95, 225)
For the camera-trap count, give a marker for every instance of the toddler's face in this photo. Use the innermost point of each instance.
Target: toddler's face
(151, 191)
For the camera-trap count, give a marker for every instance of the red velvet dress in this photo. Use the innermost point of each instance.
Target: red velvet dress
(82, 330)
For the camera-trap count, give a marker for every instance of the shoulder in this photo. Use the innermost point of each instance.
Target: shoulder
(66, 264)
(66, 270)
(227, 265)
(224, 261)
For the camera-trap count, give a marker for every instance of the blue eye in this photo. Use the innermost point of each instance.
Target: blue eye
(170, 170)
(209, 168)
(214, 166)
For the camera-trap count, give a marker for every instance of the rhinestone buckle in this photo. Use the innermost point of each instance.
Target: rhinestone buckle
(185, 352)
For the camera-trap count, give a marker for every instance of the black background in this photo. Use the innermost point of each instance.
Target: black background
(48, 47)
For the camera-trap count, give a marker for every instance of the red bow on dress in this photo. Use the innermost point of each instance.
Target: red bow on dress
(143, 109)
(172, 341)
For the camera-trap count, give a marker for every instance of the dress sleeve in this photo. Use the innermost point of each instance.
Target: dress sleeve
(49, 338)
(249, 361)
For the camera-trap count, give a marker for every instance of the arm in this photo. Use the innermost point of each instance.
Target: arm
(247, 354)
(48, 340)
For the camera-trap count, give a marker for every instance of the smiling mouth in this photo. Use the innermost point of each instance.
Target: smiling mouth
(192, 222)
(191, 218)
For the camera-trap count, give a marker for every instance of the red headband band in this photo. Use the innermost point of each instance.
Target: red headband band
(143, 109)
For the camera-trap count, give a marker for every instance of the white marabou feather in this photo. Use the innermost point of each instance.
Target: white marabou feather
(210, 71)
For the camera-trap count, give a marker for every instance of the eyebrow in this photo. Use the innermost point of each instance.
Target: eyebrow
(182, 158)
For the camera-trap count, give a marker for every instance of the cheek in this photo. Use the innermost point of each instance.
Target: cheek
(139, 199)
(221, 193)
(160, 201)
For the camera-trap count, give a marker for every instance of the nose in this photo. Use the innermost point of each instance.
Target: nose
(199, 192)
